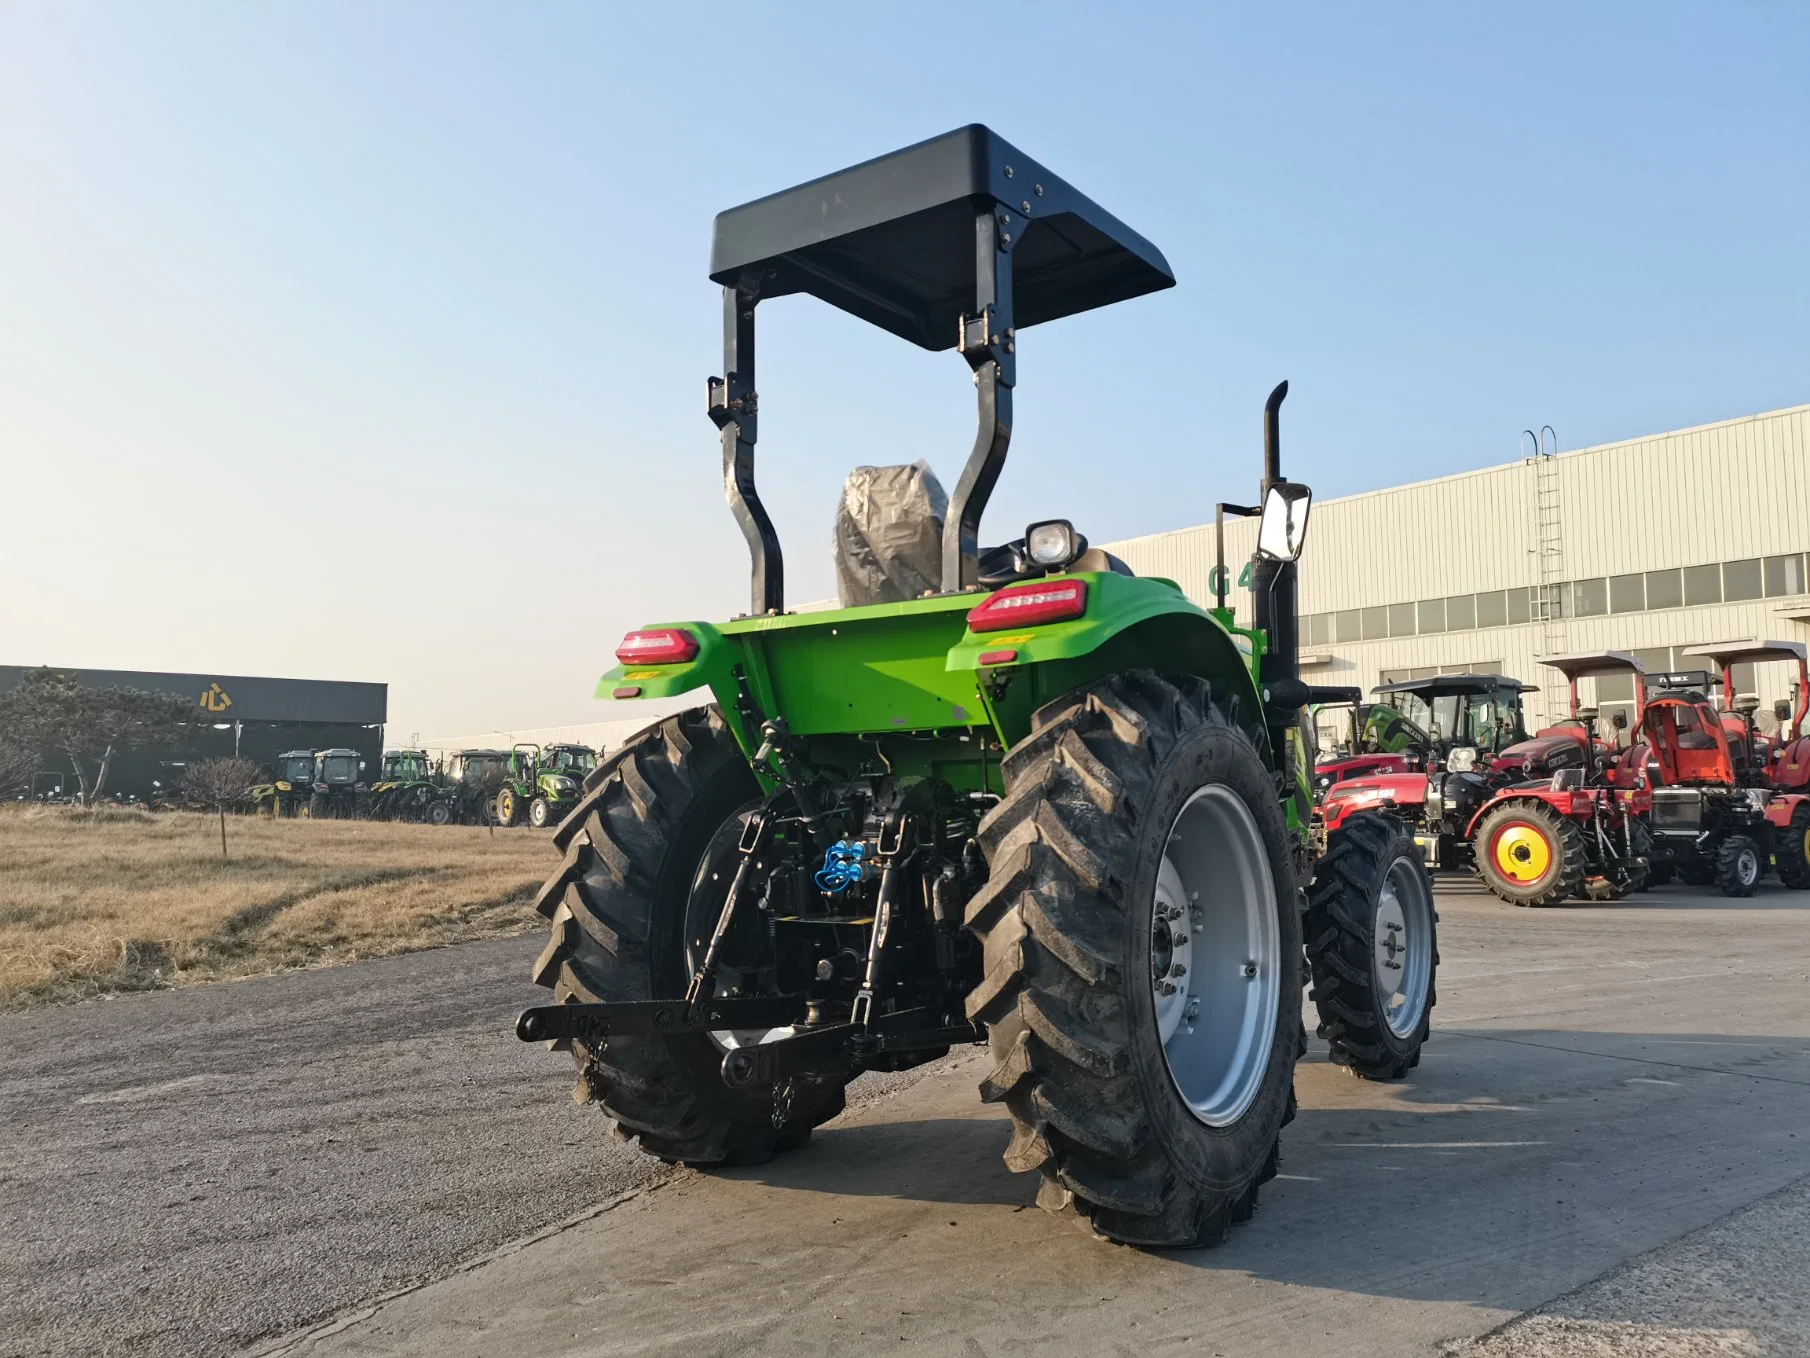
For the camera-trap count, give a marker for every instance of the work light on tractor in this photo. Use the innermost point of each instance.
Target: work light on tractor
(1017, 798)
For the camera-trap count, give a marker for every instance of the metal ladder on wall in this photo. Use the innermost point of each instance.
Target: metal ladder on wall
(1547, 606)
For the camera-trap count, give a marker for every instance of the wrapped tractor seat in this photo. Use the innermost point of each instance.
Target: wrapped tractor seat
(889, 534)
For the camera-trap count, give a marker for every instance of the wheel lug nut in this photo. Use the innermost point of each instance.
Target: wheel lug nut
(1178, 970)
(1250, 970)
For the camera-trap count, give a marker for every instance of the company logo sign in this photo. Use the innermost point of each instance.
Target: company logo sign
(215, 699)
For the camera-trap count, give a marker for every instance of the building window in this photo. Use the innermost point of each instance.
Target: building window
(1461, 613)
(1349, 627)
(1432, 615)
(1425, 672)
(1702, 584)
(1741, 579)
(1319, 629)
(1654, 659)
(1743, 677)
(1492, 609)
(1627, 593)
(1517, 606)
(1394, 676)
(1549, 601)
(1590, 598)
(1784, 575)
(1376, 623)
(1663, 589)
(1401, 620)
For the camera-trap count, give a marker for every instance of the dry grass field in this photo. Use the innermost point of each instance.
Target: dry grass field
(115, 899)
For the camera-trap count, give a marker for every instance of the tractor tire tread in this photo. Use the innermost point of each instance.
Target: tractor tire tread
(600, 904)
(1061, 843)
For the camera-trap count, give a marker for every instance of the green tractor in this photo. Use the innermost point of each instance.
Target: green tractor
(540, 786)
(1039, 804)
(472, 780)
(338, 791)
(286, 795)
(409, 789)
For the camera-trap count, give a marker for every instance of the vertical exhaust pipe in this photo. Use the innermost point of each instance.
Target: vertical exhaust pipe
(1272, 435)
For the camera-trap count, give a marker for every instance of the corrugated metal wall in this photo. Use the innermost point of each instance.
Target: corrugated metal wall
(1720, 492)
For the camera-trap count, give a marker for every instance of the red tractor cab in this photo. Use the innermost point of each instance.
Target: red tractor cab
(1541, 840)
(1726, 802)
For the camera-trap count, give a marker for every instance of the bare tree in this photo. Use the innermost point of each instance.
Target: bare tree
(54, 711)
(223, 782)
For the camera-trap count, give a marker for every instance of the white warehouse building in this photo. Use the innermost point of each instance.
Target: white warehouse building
(1653, 545)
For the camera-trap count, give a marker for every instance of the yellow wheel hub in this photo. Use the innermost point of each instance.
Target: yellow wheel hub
(1522, 854)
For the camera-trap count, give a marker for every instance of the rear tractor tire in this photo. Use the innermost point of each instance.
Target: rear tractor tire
(319, 807)
(1791, 849)
(1373, 947)
(1528, 854)
(634, 893)
(1738, 866)
(1142, 963)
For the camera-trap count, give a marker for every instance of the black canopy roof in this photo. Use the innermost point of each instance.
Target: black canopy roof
(1444, 685)
(892, 240)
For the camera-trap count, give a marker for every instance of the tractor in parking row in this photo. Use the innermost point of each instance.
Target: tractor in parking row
(1536, 817)
(288, 792)
(1018, 797)
(540, 786)
(410, 789)
(338, 790)
(1381, 739)
(472, 780)
(1726, 803)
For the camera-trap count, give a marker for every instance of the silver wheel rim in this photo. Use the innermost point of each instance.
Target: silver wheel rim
(1748, 866)
(1401, 954)
(1215, 956)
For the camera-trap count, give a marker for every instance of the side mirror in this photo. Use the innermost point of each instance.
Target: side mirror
(1282, 532)
(1782, 710)
(1619, 721)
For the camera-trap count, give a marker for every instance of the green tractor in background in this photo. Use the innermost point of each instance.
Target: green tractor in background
(286, 795)
(472, 779)
(338, 791)
(540, 786)
(1016, 797)
(409, 788)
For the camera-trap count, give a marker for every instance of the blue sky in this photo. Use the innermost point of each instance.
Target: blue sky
(369, 341)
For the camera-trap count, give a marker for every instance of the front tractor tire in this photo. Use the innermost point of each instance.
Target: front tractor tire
(540, 813)
(1738, 866)
(1373, 947)
(1529, 854)
(1142, 963)
(507, 809)
(632, 893)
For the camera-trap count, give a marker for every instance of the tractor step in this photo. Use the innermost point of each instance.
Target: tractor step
(595, 1022)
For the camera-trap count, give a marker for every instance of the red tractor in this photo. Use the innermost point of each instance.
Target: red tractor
(1466, 722)
(1536, 816)
(1380, 739)
(1725, 800)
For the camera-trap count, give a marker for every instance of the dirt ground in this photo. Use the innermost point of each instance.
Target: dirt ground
(93, 902)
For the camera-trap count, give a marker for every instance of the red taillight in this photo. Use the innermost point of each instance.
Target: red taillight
(1028, 605)
(660, 646)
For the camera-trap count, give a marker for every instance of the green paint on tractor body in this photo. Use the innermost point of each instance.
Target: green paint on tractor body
(911, 688)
